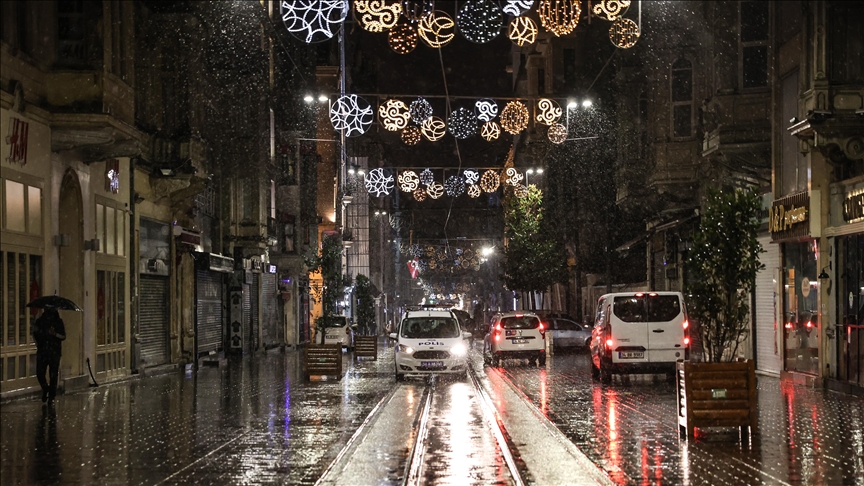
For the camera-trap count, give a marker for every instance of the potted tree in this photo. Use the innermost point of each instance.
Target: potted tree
(366, 344)
(323, 359)
(724, 261)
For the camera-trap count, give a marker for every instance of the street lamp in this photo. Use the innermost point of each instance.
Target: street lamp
(532, 170)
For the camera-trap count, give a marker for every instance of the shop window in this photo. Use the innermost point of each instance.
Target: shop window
(20, 282)
(801, 307)
(22, 208)
(753, 44)
(682, 98)
(110, 307)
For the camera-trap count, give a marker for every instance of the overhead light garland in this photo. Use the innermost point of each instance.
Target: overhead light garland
(485, 109)
(474, 191)
(480, 21)
(394, 115)
(415, 10)
(351, 114)
(462, 123)
(408, 181)
(512, 177)
(420, 194)
(517, 7)
(313, 21)
(490, 181)
(455, 186)
(490, 131)
(522, 30)
(557, 133)
(559, 17)
(550, 111)
(471, 176)
(375, 15)
(433, 128)
(402, 38)
(624, 33)
(427, 177)
(436, 29)
(420, 110)
(379, 182)
(514, 117)
(611, 9)
(435, 190)
(411, 135)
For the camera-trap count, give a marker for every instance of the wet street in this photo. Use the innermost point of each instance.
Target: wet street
(256, 420)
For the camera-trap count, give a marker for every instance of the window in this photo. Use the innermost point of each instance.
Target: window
(272, 202)
(22, 208)
(629, 309)
(110, 307)
(682, 98)
(70, 31)
(520, 322)
(111, 230)
(845, 44)
(570, 68)
(118, 40)
(288, 233)
(20, 282)
(247, 200)
(794, 173)
(288, 166)
(754, 44)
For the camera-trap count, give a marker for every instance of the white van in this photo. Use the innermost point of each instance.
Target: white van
(430, 341)
(639, 332)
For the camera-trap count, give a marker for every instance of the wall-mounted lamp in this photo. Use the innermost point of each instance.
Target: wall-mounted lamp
(823, 275)
(167, 172)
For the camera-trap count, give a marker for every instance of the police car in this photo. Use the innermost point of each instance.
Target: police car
(430, 341)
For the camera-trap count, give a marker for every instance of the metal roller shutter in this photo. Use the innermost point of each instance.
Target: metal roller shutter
(153, 315)
(269, 318)
(769, 331)
(209, 311)
(256, 310)
(247, 318)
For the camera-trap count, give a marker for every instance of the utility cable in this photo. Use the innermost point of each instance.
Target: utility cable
(456, 141)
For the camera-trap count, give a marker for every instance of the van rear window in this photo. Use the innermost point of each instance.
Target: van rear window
(647, 308)
(524, 322)
(629, 309)
(663, 308)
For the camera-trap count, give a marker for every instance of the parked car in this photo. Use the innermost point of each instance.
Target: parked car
(567, 333)
(430, 341)
(339, 330)
(515, 335)
(639, 332)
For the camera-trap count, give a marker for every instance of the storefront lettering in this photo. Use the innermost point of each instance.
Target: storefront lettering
(780, 218)
(853, 207)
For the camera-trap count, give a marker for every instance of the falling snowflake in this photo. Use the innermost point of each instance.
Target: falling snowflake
(305, 19)
(426, 177)
(455, 186)
(379, 183)
(352, 114)
(471, 176)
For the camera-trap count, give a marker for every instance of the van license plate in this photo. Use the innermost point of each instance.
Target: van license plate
(519, 341)
(431, 364)
(631, 354)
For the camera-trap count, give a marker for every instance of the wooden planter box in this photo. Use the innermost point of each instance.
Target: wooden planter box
(323, 360)
(366, 346)
(717, 395)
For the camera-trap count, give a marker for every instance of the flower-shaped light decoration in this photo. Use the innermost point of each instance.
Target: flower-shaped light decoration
(435, 190)
(427, 177)
(514, 117)
(624, 33)
(411, 135)
(559, 17)
(471, 176)
(490, 181)
(351, 114)
(375, 15)
(420, 194)
(485, 110)
(522, 30)
(408, 181)
(520, 190)
(436, 29)
(462, 123)
(420, 110)
(313, 20)
(379, 182)
(490, 131)
(549, 111)
(415, 10)
(611, 9)
(402, 38)
(394, 115)
(474, 191)
(433, 128)
(517, 7)
(512, 177)
(480, 21)
(557, 133)
(455, 186)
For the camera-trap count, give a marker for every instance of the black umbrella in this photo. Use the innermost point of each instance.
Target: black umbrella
(54, 302)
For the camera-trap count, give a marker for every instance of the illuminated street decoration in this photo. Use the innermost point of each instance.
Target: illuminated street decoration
(433, 128)
(559, 17)
(436, 29)
(351, 114)
(514, 117)
(611, 9)
(512, 177)
(402, 38)
(522, 30)
(520, 191)
(435, 190)
(112, 176)
(462, 123)
(426, 177)
(490, 131)
(480, 21)
(485, 109)
(411, 135)
(490, 181)
(455, 186)
(394, 115)
(420, 110)
(420, 194)
(415, 10)
(557, 133)
(474, 191)
(549, 110)
(624, 33)
(375, 15)
(471, 176)
(378, 182)
(517, 7)
(313, 20)
(408, 181)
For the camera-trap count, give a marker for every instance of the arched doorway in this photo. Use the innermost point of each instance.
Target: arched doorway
(71, 271)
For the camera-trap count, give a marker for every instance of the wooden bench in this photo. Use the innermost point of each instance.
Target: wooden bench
(366, 347)
(323, 360)
(717, 395)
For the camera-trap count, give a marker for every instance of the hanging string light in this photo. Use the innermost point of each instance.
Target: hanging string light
(436, 29)
(455, 186)
(427, 177)
(480, 21)
(485, 109)
(394, 115)
(375, 15)
(517, 7)
(522, 30)
(379, 182)
(559, 17)
(313, 21)
(402, 38)
(549, 111)
(624, 33)
(514, 117)
(435, 190)
(490, 181)
(462, 123)
(351, 114)
(611, 9)
(557, 133)
(474, 191)
(415, 10)
(420, 110)
(512, 177)
(411, 135)
(420, 194)
(433, 128)
(408, 181)
(490, 131)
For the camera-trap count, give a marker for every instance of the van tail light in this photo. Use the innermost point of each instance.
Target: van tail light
(498, 326)
(609, 344)
(686, 341)
(686, 324)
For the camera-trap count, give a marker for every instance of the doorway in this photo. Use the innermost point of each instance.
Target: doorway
(71, 270)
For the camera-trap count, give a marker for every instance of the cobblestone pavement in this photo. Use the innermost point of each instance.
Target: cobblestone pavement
(257, 421)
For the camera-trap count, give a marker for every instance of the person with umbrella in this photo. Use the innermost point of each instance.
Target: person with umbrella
(49, 333)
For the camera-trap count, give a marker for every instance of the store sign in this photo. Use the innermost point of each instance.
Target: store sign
(781, 218)
(853, 206)
(792, 217)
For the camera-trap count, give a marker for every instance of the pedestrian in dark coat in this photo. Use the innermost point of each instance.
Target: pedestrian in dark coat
(49, 333)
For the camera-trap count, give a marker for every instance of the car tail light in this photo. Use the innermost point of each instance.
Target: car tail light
(497, 335)
(788, 325)
(809, 325)
(652, 294)
(686, 341)
(686, 324)
(542, 329)
(498, 326)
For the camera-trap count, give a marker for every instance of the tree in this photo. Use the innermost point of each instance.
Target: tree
(365, 304)
(329, 264)
(534, 257)
(724, 261)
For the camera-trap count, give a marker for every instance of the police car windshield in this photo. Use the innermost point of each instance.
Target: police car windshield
(430, 327)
